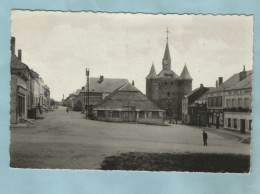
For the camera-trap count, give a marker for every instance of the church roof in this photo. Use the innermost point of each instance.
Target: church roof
(168, 74)
(167, 52)
(127, 95)
(152, 73)
(185, 75)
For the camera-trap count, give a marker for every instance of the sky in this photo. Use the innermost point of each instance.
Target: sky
(61, 45)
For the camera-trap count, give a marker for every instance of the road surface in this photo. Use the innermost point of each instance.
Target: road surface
(68, 141)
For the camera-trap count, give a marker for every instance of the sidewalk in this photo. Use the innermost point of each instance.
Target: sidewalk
(227, 133)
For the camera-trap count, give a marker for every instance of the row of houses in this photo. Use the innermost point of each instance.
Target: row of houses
(227, 105)
(29, 95)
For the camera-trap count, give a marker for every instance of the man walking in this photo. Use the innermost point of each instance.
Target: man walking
(205, 138)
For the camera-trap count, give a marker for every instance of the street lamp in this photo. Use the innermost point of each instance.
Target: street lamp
(87, 93)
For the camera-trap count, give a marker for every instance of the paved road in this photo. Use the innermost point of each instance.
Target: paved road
(67, 140)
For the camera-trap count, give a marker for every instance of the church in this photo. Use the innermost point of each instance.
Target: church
(167, 89)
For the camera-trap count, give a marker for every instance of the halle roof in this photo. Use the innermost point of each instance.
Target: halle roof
(127, 95)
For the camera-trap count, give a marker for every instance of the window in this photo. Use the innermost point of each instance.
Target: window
(228, 103)
(115, 114)
(246, 101)
(171, 83)
(141, 114)
(155, 114)
(126, 108)
(240, 102)
(219, 103)
(234, 102)
(210, 102)
(169, 94)
(21, 105)
(214, 102)
(165, 83)
(250, 125)
(235, 123)
(101, 113)
(229, 122)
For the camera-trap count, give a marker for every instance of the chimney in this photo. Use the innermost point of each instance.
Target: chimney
(133, 82)
(20, 54)
(101, 79)
(220, 81)
(216, 83)
(242, 74)
(13, 45)
(201, 86)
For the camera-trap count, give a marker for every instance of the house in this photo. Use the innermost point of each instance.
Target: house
(194, 109)
(20, 87)
(26, 89)
(99, 88)
(238, 105)
(216, 97)
(128, 104)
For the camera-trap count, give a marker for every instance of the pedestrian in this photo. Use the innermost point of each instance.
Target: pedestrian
(67, 110)
(205, 138)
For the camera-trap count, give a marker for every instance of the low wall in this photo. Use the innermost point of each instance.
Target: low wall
(152, 121)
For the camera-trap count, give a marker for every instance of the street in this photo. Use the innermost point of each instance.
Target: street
(68, 141)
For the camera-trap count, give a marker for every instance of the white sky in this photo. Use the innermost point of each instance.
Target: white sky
(60, 45)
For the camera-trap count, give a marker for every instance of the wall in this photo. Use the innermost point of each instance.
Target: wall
(13, 102)
(237, 115)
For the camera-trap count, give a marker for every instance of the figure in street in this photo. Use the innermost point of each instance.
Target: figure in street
(67, 110)
(205, 138)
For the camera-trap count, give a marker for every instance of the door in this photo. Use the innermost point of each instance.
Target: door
(129, 116)
(132, 116)
(125, 116)
(242, 125)
(217, 122)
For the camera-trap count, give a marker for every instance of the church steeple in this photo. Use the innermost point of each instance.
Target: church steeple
(185, 75)
(167, 58)
(152, 74)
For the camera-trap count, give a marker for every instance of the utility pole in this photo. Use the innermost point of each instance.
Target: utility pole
(87, 94)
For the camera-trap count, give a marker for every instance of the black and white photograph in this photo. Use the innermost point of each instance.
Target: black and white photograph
(131, 92)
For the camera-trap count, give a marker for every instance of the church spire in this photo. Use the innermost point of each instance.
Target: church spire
(185, 75)
(152, 74)
(167, 58)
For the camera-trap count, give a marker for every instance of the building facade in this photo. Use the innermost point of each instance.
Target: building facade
(222, 96)
(238, 106)
(194, 108)
(167, 88)
(26, 89)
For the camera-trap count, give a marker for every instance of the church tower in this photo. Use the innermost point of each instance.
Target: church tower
(166, 62)
(167, 88)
